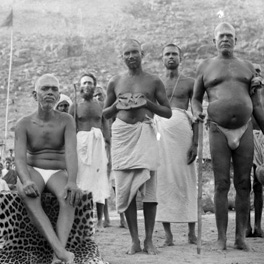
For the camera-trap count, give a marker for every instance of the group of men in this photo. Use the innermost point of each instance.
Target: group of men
(50, 155)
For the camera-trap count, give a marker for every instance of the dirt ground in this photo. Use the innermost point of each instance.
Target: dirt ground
(114, 241)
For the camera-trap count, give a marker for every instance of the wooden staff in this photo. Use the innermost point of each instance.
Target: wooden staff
(75, 104)
(200, 186)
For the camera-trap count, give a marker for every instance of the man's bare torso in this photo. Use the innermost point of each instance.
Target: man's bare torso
(144, 83)
(89, 114)
(45, 141)
(180, 95)
(227, 83)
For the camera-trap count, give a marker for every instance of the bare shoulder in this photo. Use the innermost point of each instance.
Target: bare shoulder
(248, 64)
(204, 64)
(63, 117)
(24, 121)
(188, 80)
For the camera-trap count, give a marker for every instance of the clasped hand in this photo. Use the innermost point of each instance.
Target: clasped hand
(72, 193)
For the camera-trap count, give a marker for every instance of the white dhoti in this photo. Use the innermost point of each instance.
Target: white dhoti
(92, 164)
(176, 181)
(134, 160)
(258, 147)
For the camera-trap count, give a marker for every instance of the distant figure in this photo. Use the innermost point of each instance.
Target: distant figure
(258, 163)
(234, 95)
(9, 174)
(92, 136)
(46, 157)
(176, 175)
(133, 98)
(100, 95)
(64, 103)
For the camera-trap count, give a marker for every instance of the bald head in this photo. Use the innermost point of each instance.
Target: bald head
(225, 28)
(46, 80)
(131, 42)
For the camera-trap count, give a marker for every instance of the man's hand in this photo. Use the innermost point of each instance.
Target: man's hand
(256, 83)
(72, 194)
(199, 117)
(30, 188)
(192, 153)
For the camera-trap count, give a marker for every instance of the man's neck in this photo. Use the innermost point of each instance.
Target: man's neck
(226, 55)
(45, 113)
(172, 74)
(135, 72)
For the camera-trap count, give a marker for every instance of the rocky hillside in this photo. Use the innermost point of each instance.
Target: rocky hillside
(67, 38)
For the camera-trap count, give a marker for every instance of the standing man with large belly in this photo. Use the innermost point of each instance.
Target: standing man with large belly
(134, 97)
(230, 84)
(46, 157)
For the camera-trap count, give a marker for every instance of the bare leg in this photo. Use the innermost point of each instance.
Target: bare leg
(106, 215)
(100, 213)
(41, 220)
(168, 234)
(66, 211)
(131, 216)
(221, 157)
(123, 223)
(249, 228)
(242, 161)
(258, 205)
(149, 216)
(192, 239)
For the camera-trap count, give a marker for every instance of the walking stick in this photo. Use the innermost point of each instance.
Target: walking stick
(75, 105)
(200, 185)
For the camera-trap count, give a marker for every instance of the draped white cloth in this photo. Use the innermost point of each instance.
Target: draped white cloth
(176, 181)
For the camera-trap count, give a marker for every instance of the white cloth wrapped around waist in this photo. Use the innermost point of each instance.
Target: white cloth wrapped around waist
(176, 180)
(134, 146)
(92, 164)
(258, 147)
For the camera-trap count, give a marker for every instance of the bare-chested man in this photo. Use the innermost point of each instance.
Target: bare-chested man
(258, 162)
(45, 151)
(176, 181)
(228, 82)
(134, 97)
(92, 133)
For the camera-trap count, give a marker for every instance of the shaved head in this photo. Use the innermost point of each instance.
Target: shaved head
(224, 27)
(130, 42)
(46, 80)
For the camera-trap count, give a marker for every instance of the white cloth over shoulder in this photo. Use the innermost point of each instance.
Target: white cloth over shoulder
(92, 164)
(134, 151)
(176, 181)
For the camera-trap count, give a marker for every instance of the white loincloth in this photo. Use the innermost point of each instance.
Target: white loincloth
(134, 147)
(176, 181)
(92, 164)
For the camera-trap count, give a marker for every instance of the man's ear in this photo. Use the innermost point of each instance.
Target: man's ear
(235, 41)
(214, 40)
(34, 94)
(142, 53)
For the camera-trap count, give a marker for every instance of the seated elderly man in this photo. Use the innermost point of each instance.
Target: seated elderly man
(45, 151)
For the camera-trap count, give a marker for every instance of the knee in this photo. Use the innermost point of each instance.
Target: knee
(222, 186)
(243, 185)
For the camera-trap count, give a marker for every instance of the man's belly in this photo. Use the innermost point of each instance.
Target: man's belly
(135, 115)
(47, 160)
(230, 113)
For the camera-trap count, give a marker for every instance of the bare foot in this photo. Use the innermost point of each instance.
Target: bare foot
(220, 244)
(135, 247)
(240, 244)
(123, 224)
(192, 239)
(249, 232)
(258, 232)
(100, 226)
(55, 260)
(107, 223)
(168, 243)
(149, 248)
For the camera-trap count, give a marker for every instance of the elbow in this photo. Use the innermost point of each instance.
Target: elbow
(168, 114)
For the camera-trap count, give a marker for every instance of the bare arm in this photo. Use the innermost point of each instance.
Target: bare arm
(162, 109)
(110, 109)
(258, 108)
(72, 192)
(198, 94)
(29, 187)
